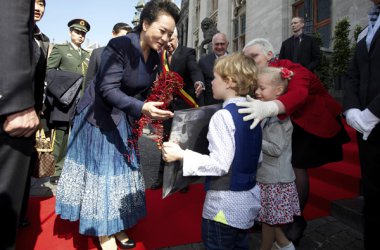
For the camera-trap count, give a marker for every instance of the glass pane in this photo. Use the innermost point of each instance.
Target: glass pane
(300, 10)
(323, 10)
(235, 45)
(242, 24)
(236, 28)
(325, 32)
(242, 42)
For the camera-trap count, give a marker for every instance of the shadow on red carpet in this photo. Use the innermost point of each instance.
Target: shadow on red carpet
(176, 220)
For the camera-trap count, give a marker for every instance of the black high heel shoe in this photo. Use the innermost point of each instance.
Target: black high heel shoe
(122, 243)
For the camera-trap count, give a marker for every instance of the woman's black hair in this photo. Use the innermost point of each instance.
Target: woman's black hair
(154, 8)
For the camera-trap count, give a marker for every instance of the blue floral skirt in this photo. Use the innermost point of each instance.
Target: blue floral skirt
(101, 184)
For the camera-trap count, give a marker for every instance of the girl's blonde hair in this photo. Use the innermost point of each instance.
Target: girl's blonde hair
(277, 76)
(240, 69)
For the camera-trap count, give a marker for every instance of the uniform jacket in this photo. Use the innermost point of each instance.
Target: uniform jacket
(206, 63)
(121, 77)
(308, 103)
(66, 57)
(309, 54)
(185, 64)
(362, 81)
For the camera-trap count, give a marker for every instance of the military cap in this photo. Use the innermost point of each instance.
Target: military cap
(79, 24)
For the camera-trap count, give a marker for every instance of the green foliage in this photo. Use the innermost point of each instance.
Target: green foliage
(323, 70)
(341, 47)
(357, 31)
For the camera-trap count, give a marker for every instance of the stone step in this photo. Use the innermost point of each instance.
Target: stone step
(350, 212)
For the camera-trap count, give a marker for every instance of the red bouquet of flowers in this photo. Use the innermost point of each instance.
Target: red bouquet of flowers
(166, 85)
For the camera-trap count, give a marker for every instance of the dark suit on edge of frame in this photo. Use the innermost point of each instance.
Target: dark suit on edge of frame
(206, 64)
(362, 90)
(17, 93)
(309, 54)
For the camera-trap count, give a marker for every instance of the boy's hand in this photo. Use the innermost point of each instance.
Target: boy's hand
(172, 152)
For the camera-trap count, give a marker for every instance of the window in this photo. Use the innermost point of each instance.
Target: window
(197, 12)
(317, 14)
(239, 25)
(214, 5)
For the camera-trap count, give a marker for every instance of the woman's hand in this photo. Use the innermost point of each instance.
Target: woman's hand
(257, 110)
(172, 152)
(150, 109)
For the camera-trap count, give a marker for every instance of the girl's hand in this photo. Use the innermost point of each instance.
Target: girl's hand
(172, 152)
(150, 109)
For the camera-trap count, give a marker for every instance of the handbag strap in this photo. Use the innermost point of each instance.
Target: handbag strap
(40, 134)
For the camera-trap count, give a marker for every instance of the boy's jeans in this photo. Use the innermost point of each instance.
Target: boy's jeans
(218, 236)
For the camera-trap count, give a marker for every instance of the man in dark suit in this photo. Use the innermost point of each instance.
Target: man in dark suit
(206, 63)
(18, 116)
(119, 29)
(41, 47)
(361, 104)
(301, 48)
(181, 60)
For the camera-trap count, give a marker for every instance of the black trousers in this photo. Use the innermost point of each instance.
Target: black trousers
(369, 155)
(15, 155)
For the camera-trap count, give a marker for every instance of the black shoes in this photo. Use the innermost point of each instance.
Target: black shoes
(121, 241)
(126, 244)
(157, 184)
(54, 180)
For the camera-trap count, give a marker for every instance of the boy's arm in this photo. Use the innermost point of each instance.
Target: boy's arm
(221, 147)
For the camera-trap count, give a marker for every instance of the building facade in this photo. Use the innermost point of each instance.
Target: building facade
(244, 20)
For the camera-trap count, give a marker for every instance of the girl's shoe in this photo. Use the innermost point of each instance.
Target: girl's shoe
(276, 246)
(123, 241)
(107, 242)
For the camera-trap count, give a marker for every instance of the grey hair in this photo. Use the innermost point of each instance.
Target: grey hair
(264, 44)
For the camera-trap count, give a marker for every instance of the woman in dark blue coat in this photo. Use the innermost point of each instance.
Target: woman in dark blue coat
(101, 182)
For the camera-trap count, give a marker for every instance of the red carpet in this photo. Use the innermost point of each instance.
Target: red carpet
(176, 220)
(334, 181)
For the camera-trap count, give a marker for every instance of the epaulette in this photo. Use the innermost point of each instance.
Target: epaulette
(61, 44)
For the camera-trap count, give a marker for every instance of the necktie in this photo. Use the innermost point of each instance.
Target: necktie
(296, 48)
(373, 15)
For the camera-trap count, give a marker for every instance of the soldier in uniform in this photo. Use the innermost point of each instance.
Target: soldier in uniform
(72, 58)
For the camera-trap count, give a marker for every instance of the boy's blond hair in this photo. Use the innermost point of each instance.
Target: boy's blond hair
(276, 77)
(240, 69)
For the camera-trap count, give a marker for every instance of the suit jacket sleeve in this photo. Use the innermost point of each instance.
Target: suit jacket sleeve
(92, 67)
(111, 76)
(195, 71)
(54, 59)
(16, 79)
(351, 85)
(315, 55)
